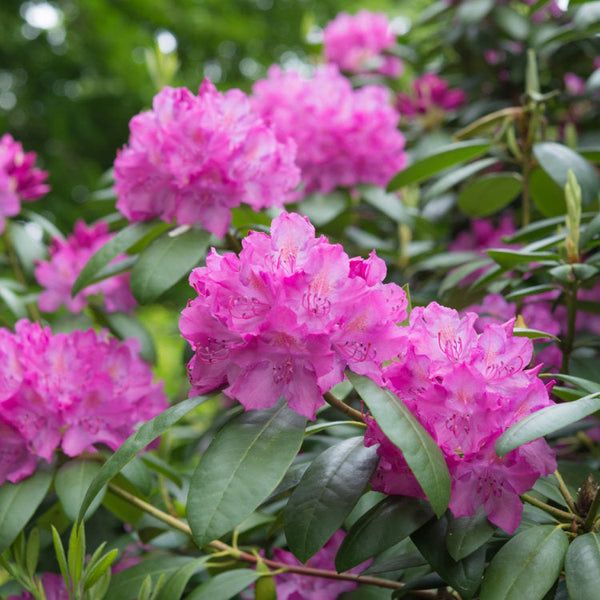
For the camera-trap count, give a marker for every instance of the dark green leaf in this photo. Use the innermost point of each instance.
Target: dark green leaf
(512, 258)
(421, 453)
(557, 159)
(448, 181)
(527, 565)
(225, 585)
(573, 272)
(386, 524)
(590, 231)
(71, 484)
(591, 387)
(175, 585)
(146, 434)
(532, 334)
(545, 421)
(547, 194)
(487, 195)
(467, 534)
(323, 208)
(457, 275)
(165, 261)
(582, 567)
(240, 468)
(18, 502)
(464, 575)
(326, 494)
(530, 291)
(126, 326)
(445, 157)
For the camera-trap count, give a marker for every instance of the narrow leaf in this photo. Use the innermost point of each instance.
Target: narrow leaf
(509, 259)
(326, 494)
(175, 585)
(582, 567)
(240, 468)
(467, 534)
(225, 585)
(421, 453)
(487, 195)
(71, 483)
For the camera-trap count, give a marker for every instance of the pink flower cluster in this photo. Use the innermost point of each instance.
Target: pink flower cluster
(67, 258)
(430, 93)
(355, 43)
(20, 181)
(344, 136)
(193, 158)
(71, 390)
(287, 317)
(54, 589)
(466, 389)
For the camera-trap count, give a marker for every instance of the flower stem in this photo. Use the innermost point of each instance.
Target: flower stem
(593, 511)
(565, 492)
(567, 345)
(562, 515)
(343, 407)
(250, 558)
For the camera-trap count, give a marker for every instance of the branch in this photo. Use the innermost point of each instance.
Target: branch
(343, 407)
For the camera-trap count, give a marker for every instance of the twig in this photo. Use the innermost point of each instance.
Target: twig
(343, 407)
(551, 510)
(565, 492)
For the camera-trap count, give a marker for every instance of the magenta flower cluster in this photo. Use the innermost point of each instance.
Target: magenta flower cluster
(466, 389)
(68, 390)
(191, 159)
(287, 317)
(54, 589)
(429, 93)
(345, 136)
(356, 43)
(20, 180)
(67, 258)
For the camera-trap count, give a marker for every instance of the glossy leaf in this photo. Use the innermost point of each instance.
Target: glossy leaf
(386, 524)
(467, 534)
(547, 195)
(242, 466)
(122, 242)
(545, 421)
(582, 567)
(421, 453)
(509, 259)
(146, 434)
(165, 261)
(18, 502)
(323, 208)
(175, 585)
(487, 195)
(445, 157)
(532, 334)
(448, 181)
(527, 565)
(71, 483)
(225, 585)
(326, 494)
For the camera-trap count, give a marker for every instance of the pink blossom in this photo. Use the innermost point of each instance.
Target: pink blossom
(574, 84)
(466, 389)
(287, 317)
(193, 158)
(67, 259)
(20, 181)
(355, 43)
(344, 136)
(484, 234)
(430, 93)
(54, 589)
(70, 390)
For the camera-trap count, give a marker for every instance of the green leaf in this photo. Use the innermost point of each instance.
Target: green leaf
(527, 565)
(323, 208)
(513, 23)
(464, 575)
(326, 494)
(146, 434)
(474, 10)
(165, 261)
(386, 524)
(390, 205)
(71, 483)
(582, 567)
(445, 157)
(76, 553)
(125, 326)
(587, 15)
(175, 585)
(225, 585)
(545, 421)
(421, 453)
(591, 387)
(532, 334)
(573, 272)
(487, 195)
(99, 568)
(123, 241)
(126, 584)
(18, 502)
(547, 194)
(60, 555)
(467, 534)
(509, 259)
(530, 291)
(556, 160)
(241, 467)
(448, 181)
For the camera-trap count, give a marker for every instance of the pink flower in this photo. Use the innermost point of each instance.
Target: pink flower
(54, 589)
(193, 158)
(67, 259)
(574, 84)
(20, 181)
(70, 390)
(344, 136)
(429, 94)
(355, 43)
(287, 317)
(466, 389)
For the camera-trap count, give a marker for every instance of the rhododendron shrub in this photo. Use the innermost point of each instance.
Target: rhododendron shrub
(355, 43)
(344, 136)
(20, 180)
(287, 317)
(466, 389)
(69, 391)
(191, 159)
(429, 93)
(67, 257)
